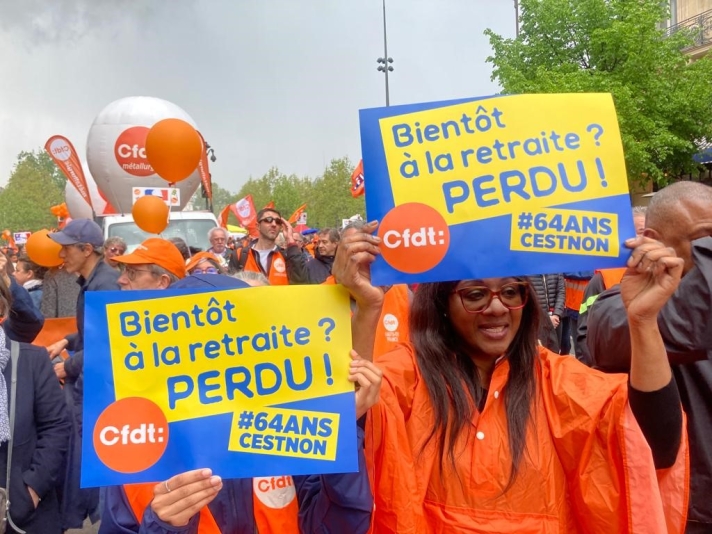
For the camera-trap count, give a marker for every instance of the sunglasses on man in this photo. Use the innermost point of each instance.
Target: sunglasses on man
(270, 220)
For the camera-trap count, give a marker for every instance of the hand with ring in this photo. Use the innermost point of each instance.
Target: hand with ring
(178, 499)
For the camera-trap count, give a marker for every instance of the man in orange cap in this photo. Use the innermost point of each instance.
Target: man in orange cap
(154, 264)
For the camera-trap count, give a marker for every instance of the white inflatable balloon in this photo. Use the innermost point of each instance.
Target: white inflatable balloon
(116, 150)
(77, 206)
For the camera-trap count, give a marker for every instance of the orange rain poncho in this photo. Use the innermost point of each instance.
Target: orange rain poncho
(586, 466)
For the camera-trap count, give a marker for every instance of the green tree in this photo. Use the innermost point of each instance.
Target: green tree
(221, 198)
(287, 192)
(663, 100)
(328, 197)
(331, 199)
(35, 185)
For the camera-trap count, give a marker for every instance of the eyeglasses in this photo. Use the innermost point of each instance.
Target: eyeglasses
(270, 220)
(131, 273)
(476, 299)
(116, 250)
(207, 270)
(218, 239)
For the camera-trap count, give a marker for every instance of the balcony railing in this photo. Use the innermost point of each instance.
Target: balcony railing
(699, 27)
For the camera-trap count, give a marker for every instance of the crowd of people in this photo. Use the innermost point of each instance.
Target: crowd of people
(569, 402)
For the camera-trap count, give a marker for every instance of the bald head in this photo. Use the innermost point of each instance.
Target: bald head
(668, 204)
(679, 214)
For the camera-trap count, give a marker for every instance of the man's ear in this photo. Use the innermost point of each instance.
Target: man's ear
(651, 233)
(164, 282)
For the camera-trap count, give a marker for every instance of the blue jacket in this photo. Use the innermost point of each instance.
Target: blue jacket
(328, 504)
(40, 442)
(24, 321)
(102, 278)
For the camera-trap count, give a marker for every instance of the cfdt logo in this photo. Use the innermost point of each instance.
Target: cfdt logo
(130, 151)
(60, 149)
(415, 238)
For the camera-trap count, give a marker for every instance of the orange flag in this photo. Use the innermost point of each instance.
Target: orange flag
(204, 171)
(244, 211)
(295, 216)
(62, 152)
(357, 181)
(269, 206)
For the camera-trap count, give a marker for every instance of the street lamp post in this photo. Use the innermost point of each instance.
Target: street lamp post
(385, 62)
(516, 17)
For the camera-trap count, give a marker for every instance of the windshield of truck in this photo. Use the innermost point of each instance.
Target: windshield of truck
(192, 231)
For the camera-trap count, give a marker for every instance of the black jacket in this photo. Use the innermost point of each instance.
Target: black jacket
(24, 321)
(319, 268)
(551, 294)
(686, 326)
(40, 442)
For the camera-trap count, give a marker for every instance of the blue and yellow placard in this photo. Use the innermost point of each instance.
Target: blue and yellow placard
(248, 382)
(500, 186)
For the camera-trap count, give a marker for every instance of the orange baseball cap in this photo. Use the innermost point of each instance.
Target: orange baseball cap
(159, 252)
(195, 259)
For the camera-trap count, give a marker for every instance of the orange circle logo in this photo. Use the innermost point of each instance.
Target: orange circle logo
(131, 435)
(130, 151)
(415, 238)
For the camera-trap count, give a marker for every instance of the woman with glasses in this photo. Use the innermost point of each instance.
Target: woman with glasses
(480, 429)
(204, 263)
(114, 246)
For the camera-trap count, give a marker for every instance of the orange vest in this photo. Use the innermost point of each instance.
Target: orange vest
(612, 277)
(274, 503)
(392, 326)
(574, 293)
(277, 270)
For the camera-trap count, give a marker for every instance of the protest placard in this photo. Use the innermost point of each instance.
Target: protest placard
(499, 186)
(248, 382)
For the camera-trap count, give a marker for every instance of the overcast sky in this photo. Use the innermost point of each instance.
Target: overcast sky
(269, 82)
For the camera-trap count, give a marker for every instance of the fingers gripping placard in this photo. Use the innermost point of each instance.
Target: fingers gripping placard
(272, 369)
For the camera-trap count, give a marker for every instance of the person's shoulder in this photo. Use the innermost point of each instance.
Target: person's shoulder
(400, 361)
(569, 375)
(33, 355)
(105, 278)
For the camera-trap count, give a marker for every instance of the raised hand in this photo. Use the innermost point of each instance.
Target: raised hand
(357, 250)
(653, 274)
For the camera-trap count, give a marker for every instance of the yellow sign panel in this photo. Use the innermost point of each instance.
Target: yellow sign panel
(479, 160)
(225, 351)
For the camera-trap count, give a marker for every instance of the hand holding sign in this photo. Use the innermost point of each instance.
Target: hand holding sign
(179, 498)
(357, 249)
(367, 378)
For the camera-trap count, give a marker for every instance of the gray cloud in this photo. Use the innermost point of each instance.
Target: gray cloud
(271, 82)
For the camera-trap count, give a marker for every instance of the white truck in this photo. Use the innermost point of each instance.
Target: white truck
(191, 226)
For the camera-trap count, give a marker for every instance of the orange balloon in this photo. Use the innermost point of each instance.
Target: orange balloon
(150, 214)
(42, 250)
(173, 148)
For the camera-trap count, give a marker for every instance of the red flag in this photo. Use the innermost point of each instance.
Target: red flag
(295, 216)
(204, 171)
(357, 180)
(244, 210)
(61, 150)
(269, 206)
